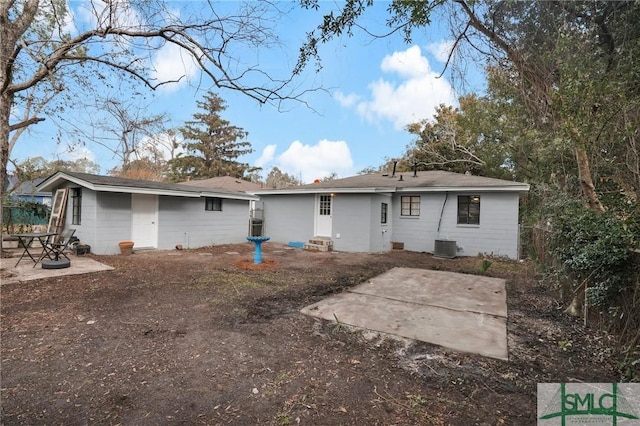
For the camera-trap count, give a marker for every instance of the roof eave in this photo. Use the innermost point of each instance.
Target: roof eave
(506, 188)
(369, 190)
(55, 180)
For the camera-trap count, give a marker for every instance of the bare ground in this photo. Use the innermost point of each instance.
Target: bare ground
(204, 337)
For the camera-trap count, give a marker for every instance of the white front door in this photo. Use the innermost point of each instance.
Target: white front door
(323, 215)
(144, 220)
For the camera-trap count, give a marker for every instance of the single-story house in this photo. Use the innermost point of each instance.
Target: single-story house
(225, 182)
(448, 214)
(26, 191)
(236, 184)
(105, 210)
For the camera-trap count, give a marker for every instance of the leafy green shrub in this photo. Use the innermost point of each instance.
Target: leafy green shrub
(594, 248)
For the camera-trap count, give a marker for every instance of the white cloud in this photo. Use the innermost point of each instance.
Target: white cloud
(72, 152)
(408, 64)
(172, 63)
(118, 13)
(415, 97)
(267, 156)
(346, 100)
(309, 162)
(441, 50)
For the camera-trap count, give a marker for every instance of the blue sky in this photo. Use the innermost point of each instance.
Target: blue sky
(375, 87)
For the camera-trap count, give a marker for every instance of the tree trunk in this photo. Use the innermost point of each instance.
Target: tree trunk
(5, 110)
(584, 174)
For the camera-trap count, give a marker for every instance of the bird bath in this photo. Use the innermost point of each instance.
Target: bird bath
(257, 254)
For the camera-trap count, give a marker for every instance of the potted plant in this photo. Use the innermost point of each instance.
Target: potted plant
(126, 247)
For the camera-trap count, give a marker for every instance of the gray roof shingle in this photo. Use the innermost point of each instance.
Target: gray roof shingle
(125, 183)
(406, 180)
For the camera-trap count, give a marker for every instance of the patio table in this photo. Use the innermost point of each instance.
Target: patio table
(26, 240)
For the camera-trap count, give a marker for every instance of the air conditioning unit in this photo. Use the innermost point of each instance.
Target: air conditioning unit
(445, 248)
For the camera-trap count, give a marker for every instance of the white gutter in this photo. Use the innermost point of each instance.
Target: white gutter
(511, 188)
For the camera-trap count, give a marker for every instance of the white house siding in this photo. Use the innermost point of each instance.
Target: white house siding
(352, 216)
(418, 233)
(85, 230)
(112, 221)
(497, 233)
(289, 217)
(185, 221)
(381, 233)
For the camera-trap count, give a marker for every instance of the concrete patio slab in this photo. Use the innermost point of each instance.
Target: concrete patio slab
(463, 312)
(26, 272)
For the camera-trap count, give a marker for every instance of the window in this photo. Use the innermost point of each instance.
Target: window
(383, 213)
(213, 204)
(76, 197)
(468, 210)
(325, 205)
(410, 206)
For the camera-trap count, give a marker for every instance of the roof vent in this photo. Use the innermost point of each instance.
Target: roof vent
(401, 179)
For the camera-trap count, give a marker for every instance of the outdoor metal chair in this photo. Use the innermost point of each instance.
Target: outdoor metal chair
(58, 246)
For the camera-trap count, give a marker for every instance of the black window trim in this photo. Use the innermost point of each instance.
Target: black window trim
(213, 204)
(76, 206)
(468, 200)
(384, 213)
(412, 213)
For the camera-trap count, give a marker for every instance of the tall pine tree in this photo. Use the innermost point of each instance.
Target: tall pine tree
(211, 145)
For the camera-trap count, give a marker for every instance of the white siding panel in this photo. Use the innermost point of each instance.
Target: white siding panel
(185, 221)
(380, 238)
(113, 222)
(497, 233)
(352, 221)
(418, 233)
(85, 231)
(289, 217)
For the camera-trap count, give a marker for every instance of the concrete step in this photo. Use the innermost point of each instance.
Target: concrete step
(317, 247)
(321, 241)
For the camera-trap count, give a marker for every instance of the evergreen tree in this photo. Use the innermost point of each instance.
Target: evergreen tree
(211, 145)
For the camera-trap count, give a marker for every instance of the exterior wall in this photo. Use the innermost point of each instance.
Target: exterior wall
(418, 233)
(107, 220)
(185, 221)
(355, 226)
(497, 233)
(113, 222)
(351, 228)
(381, 233)
(84, 231)
(289, 217)
(357, 222)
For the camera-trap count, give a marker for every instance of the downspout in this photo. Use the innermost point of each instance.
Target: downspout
(446, 197)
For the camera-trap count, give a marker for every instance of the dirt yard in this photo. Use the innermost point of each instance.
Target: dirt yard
(203, 337)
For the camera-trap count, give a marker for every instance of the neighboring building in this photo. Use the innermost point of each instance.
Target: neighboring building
(105, 210)
(449, 213)
(26, 191)
(225, 182)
